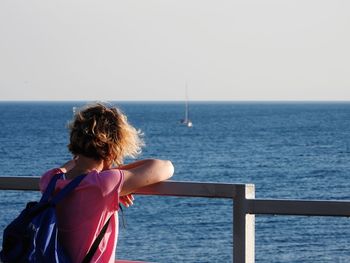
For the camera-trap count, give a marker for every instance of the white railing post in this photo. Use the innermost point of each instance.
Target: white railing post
(243, 226)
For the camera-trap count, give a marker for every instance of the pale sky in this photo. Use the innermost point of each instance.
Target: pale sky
(149, 49)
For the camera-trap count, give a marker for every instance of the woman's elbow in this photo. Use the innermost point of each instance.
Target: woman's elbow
(165, 169)
(170, 169)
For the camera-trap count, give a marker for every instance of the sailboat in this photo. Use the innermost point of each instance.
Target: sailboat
(186, 121)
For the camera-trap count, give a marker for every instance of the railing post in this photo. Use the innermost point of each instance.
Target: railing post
(243, 226)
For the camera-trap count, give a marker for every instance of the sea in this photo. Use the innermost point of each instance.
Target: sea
(288, 150)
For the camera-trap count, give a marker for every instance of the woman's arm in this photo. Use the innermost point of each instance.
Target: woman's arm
(145, 172)
(133, 165)
(68, 165)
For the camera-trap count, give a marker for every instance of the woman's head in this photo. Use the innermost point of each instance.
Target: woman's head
(103, 133)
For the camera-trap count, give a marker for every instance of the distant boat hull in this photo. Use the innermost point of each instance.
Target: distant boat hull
(187, 123)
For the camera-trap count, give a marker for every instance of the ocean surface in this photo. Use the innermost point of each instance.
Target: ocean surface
(288, 150)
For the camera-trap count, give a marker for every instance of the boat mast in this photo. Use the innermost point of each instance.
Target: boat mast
(186, 113)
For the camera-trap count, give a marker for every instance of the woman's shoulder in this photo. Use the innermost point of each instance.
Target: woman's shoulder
(110, 180)
(110, 174)
(46, 177)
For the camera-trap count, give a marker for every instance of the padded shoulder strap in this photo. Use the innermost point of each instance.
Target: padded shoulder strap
(67, 189)
(50, 188)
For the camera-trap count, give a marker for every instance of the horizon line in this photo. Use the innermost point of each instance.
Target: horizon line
(181, 101)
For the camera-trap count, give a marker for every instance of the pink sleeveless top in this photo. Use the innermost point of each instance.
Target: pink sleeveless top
(82, 214)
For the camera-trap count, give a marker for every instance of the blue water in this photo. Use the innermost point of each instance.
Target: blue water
(288, 150)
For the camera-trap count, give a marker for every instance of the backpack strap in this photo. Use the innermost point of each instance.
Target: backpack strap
(96, 243)
(67, 189)
(50, 188)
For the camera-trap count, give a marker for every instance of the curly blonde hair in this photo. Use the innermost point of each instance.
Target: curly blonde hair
(102, 132)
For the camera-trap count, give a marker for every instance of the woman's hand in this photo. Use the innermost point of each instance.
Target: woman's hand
(127, 200)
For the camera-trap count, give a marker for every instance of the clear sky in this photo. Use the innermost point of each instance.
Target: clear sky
(149, 49)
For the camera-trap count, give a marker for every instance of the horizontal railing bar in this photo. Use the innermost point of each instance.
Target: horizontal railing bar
(30, 183)
(167, 188)
(298, 207)
(213, 190)
(192, 189)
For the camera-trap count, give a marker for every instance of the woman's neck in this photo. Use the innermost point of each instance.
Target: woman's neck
(85, 165)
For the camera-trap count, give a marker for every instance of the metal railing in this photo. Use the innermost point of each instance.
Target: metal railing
(244, 209)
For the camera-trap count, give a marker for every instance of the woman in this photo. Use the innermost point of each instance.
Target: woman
(100, 138)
